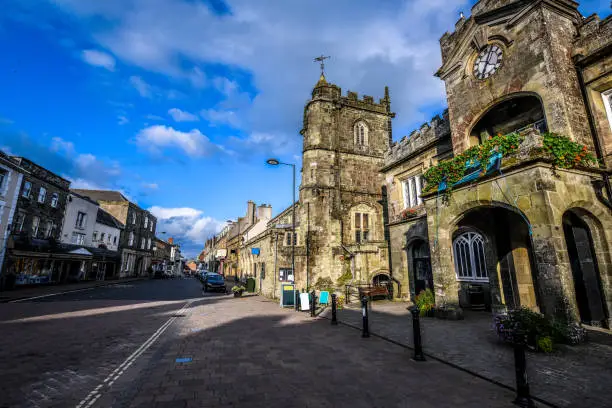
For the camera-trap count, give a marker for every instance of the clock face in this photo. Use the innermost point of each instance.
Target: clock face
(488, 61)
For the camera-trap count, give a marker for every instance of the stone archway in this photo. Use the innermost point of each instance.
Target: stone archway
(581, 230)
(493, 259)
(513, 113)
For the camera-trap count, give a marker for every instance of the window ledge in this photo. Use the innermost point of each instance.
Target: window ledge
(475, 280)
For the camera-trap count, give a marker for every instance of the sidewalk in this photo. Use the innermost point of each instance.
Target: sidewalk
(47, 290)
(578, 376)
(248, 352)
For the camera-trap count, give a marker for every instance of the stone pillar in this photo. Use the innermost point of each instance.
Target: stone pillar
(440, 248)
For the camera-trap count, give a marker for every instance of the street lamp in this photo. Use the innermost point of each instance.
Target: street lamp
(276, 162)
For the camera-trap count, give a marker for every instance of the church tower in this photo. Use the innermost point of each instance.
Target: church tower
(344, 142)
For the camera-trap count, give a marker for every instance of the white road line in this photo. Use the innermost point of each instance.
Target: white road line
(93, 396)
(53, 294)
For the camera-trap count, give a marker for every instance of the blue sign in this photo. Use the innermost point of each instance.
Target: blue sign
(255, 251)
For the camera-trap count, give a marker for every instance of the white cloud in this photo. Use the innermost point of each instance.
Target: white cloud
(60, 145)
(192, 143)
(150, 186)
(221, 117)
(182, 116)
(98, 59)
(153, 117)
(197, 77)
(143, 88)
(186, 224)
(122, 120)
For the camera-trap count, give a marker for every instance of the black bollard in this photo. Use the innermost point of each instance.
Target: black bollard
(334, 320)
(297, 300)
(416, 329)
(364, 311)
(523, 398)
(313, 303)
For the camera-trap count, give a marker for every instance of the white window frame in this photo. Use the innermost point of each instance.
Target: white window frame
(131, 239)
(35, 226)
(133, 218)
(54, 200)
(50, 226)
(360, 133)
(27, 189)
(149, 244)
(19, 220)
(411, 190)
(142, 243)
(42, 195)
(82, 217)
(146, 221)
(78, 238)
(471, 244)
(607, 100)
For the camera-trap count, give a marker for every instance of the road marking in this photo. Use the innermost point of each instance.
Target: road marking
(51, 294)
(97, 392)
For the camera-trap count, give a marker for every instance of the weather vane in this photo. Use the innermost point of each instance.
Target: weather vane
(322, 59)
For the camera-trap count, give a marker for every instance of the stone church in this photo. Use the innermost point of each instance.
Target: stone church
(518, 230)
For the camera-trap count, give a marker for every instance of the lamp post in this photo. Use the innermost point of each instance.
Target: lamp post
(276, 162)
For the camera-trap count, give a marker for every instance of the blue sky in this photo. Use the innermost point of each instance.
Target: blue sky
(178, 103)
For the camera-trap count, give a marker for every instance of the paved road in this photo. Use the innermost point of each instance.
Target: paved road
(163, 344)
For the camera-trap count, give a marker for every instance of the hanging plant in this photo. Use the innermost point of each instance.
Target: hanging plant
(565, 153)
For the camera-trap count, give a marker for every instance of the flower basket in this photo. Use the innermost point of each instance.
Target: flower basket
(238, 290)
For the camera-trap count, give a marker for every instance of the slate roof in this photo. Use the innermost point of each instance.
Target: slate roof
(101, 195)
(105, 218)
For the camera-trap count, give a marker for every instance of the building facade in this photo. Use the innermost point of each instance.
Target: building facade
(79, 221)
(136, 241)
(11, 177)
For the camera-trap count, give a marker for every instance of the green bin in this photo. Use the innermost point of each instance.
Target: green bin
(250, 285)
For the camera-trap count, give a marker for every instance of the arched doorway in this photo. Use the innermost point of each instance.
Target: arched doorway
(421, 267)
(585, 271)
(381, 280)
(510, 115)
(493, 260)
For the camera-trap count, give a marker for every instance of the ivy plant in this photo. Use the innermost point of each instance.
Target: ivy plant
(565, 153)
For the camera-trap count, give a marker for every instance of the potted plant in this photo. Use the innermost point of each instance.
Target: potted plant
(238, 289)
(425, 302)
(408, 213)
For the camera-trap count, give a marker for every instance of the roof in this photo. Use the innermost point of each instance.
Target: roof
(102, 195)
(105, 218)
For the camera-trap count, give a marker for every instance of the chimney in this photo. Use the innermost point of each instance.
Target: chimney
(171, 241)
(264, 212)
(250, 218)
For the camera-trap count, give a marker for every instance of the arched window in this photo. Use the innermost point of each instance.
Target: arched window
(470, 257)
(361, 134)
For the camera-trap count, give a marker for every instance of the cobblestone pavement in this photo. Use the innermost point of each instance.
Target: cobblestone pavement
(250, 353)
(54, 350)
(578, 376)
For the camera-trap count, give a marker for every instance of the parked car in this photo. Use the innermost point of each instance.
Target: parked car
(214, 281)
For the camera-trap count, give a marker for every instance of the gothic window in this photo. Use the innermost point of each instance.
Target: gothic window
(470, 257)
(361, 134)
(362, 227)
(607, 98)
(411, 189)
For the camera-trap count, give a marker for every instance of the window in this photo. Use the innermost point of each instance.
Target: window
(49, 229)
(109, 238)
(35, 225)
(42, 195)
(146, 222)
(288, 238)
(149, 244)
(27, 189)
(470, 257)
(285, 275)
(607, 99)
(151, 225)
(94, 236)
(3, 177)
(131, 240)
(142, 243)
(362, 227)
(54, 200)
(102, 237)
(133, 218)
(81, 220)
(78, 238)
(361, 134)
(115, 240)
(411, 189)
(18, 222)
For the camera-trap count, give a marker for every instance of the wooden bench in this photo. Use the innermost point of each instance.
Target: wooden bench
(373, 291)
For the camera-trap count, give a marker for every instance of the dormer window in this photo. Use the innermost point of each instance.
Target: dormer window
(361, 134)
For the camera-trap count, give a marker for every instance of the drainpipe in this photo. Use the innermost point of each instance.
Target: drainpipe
(598, 185)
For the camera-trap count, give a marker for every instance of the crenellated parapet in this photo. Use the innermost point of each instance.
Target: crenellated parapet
(428, 134)
(325, 90)
(593, 35)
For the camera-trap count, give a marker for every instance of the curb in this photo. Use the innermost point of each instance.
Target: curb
(107, 283)
(448, 363)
